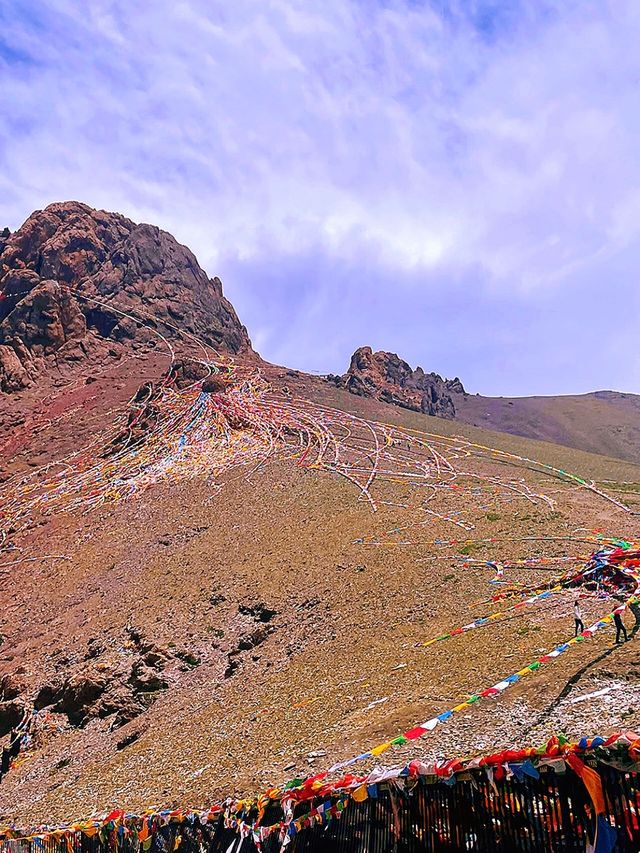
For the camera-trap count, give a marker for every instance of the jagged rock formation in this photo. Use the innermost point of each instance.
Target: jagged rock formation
(69, 276)
(386, 377)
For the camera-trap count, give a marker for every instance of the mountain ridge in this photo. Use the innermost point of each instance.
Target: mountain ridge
(390, 379)
(81, 289)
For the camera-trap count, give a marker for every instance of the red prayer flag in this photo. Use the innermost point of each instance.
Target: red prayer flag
(415, 733)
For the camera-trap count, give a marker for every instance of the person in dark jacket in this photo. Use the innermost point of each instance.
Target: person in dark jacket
(620, 628)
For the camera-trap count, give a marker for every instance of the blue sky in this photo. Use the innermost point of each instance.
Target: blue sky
(458, 182)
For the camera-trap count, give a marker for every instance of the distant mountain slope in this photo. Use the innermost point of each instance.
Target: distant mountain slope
(604, 422)
(61, 274)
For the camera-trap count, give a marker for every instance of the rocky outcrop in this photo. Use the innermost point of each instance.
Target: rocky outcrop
(80, 693)
(385, 376)
(99, 687)
(11, 713)
(78, 283)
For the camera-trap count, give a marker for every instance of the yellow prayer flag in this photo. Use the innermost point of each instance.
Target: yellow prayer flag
(360, 794)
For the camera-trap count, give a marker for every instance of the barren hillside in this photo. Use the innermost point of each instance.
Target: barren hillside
(227, 579)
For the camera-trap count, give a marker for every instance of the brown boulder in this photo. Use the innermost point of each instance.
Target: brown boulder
(144, 679)
(156, 657)
(11, 713)
(215, 384)
(120, 704)
(188, 371)
(79, 695)
(11, 686)
(48, 694)
(14, 374)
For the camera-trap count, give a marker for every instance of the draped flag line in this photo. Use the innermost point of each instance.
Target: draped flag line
(328, 799)
(422, 729)
(492, 618)
(598, 568)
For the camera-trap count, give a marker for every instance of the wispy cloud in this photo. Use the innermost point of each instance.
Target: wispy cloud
(457, 181)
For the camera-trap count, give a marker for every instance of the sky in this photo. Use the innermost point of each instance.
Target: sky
(457, 182)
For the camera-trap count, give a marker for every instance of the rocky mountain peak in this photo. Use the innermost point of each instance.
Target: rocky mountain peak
(77, 283)
(385, 376)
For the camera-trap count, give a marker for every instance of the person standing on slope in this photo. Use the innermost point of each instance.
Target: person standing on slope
(620, 628)
(577, 617)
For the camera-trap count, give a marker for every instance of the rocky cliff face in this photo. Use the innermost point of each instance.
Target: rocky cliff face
(78, 283)
(386, 377)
